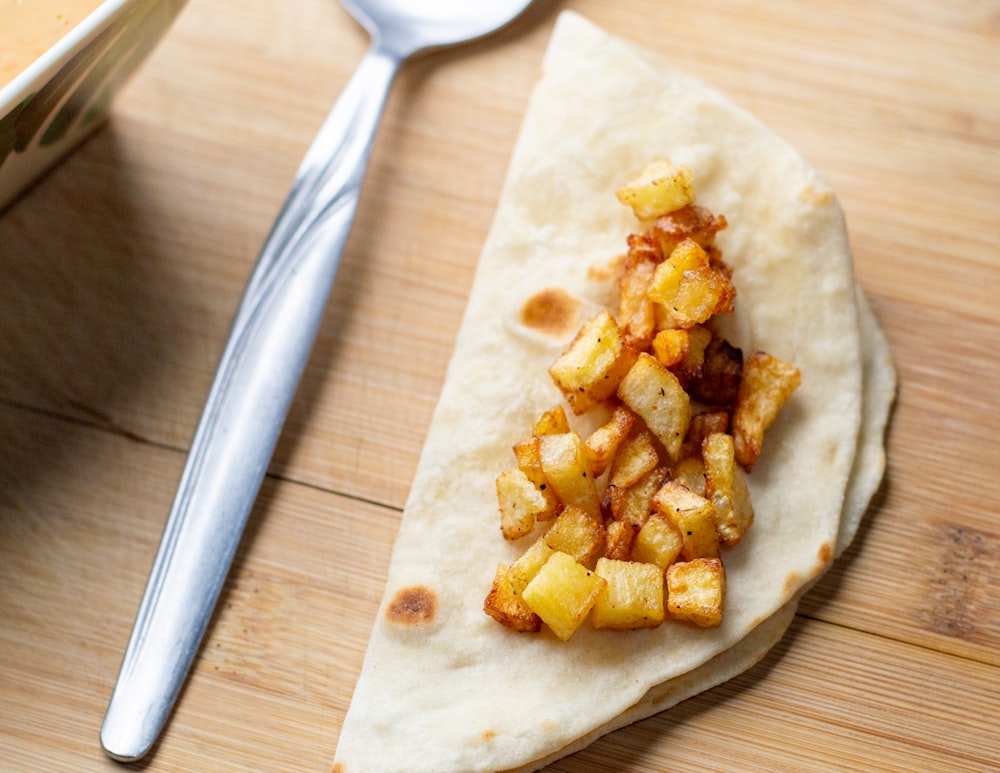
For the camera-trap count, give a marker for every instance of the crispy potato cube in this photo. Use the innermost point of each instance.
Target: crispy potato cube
(620, 536)
(766, 385)
(635, 457)
(669, 346)
(693, 516)
(633, 504)
(552, 422)
(524, 569)
(660, 188)
(655, 394)
(520, 501)
(633, 597)
(689, 287)
(577, 534)
(658, 542)
(690, 222)
(705, 424)
(689, 369)
(567, 471)
(529, 461)
(636, 314)
(563, 593)
(507, 607)
(690, 473)
(696, 591)
(590, 369)
(726, 487)
(603, 442)
(718, 379)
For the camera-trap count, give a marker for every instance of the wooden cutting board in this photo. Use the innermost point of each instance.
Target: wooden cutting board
(120, 272)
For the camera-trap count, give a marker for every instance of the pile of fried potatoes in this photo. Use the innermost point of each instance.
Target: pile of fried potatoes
(633, 517)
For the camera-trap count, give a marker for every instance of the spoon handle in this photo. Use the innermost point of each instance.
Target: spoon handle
(258, 374)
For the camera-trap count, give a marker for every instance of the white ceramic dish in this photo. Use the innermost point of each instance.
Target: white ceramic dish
(62, 96)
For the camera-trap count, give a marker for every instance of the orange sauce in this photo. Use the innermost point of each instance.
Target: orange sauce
(28, 28)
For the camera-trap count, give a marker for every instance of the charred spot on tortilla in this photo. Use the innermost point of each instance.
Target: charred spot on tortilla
(825, 554)
(412, 606)
(551, 311)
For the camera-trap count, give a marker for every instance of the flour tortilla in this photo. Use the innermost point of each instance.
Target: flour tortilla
(448, 689)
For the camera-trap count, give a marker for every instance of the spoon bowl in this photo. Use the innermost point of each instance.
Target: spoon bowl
(262, 363)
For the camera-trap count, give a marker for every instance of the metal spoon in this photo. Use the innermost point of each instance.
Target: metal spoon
(262, 363)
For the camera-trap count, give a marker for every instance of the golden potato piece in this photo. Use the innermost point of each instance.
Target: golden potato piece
(690, 473)
(524, 569)
(696, 591)
(552, 422)
(660, 188)
(620, 536)
(658, 542)
(691, 222)
(633, 504)
(577, 534)
(590, 369)
(669, 346)
(603, 442)
(633, 597)
(529, 461)
(563, 593)
(636, 315)
(693, 516)
(726, 487)
(766, 385)
(704, 424)
(507, 607)
(635, 457)
(519, 503)
(567, 470)
(655, 394)
(690, 288)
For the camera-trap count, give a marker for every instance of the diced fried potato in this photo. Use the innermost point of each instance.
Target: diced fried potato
(686, 256)
(633, 504)
(507, 607)
(590, 369)
(690, 222)
(529, 461)
(660, 188)
(689, 287)
(696, 591)
(726, 487)
(520, 501)
(567, 470)
(552, 422)
(636, 315)
(603, 442)
(718, 380)
(690, 473)
(563, 593)
(766, 385)
(705, 424)
(524, 569)
(655, 394)
(575, 533)
(693, 516)
(633, 597)
(669, 346)
(691, 364)
(620, 536)
(635, 457)
(658, 542)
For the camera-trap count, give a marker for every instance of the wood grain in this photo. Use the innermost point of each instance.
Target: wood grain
(121, 271)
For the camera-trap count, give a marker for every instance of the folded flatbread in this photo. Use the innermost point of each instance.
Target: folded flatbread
(443, 687)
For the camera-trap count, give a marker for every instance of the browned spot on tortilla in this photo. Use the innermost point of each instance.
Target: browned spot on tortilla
(958, 594)
(817, 198)
(412, 606)
(338, 767)
(824, 555)
(792, 583)
(551, 311)
(489, 735)
(605, 272)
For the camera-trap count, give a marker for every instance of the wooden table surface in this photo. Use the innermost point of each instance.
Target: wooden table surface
(120, 272)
